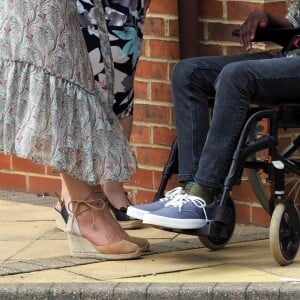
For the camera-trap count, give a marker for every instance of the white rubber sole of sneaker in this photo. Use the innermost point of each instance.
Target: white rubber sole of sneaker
(136, 213)
(152, 219)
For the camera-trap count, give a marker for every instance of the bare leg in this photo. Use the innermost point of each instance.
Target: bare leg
(114, 190)
(98, 226)
(101, 228)
(127, 125)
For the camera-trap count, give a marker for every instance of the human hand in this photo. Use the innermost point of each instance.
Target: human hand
(255, 20)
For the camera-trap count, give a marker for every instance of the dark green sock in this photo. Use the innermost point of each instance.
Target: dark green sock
(204, 192)
(188, 186)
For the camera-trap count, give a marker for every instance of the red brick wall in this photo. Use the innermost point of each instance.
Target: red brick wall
(154, 128)
(20, 174)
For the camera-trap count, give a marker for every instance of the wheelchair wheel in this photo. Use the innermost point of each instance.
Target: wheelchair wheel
(257, 178)
(284, 239)
(216, 242)
(259, 186)
(263, 189)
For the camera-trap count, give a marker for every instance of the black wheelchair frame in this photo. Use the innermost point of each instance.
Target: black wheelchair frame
(285, 223)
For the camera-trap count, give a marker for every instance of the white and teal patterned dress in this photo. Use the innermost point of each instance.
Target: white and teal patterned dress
(125, 19)
(51, 111)
(293, 14)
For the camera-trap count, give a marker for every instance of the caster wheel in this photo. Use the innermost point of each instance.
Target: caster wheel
(216, 242)
(262, 188)
(284, 239)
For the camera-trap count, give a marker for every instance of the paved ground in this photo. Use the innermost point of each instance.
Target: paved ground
(35, 261)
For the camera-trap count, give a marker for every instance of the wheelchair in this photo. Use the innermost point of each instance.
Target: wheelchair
(259, 152)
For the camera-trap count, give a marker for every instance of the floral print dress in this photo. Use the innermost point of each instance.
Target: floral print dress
(51, 111)
(293, 14)
(125, 19)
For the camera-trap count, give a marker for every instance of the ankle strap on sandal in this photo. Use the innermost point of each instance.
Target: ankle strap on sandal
(90, 203)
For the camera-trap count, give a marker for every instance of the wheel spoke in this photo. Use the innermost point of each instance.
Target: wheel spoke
(295, 188)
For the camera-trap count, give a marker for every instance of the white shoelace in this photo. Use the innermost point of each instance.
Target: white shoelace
(173, 193)
(179, 200)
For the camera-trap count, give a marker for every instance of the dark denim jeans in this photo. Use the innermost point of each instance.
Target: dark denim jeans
(206, 148)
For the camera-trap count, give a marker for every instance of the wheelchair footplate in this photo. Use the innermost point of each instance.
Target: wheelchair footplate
(216, 233)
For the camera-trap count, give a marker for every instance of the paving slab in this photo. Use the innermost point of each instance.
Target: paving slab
(35, 264)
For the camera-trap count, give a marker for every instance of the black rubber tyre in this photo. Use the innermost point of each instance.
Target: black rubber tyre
(216, 243)
(262, 189)
(256, 179)
(284, 240)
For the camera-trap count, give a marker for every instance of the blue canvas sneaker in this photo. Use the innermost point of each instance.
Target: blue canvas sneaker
(139, 211)
(183, 212)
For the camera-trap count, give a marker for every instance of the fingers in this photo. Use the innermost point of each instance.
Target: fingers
(247, 33)
(255, 20)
